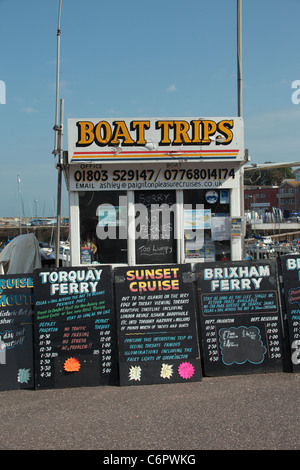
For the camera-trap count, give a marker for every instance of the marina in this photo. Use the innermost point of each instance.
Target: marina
(264, 241)
(44, 231)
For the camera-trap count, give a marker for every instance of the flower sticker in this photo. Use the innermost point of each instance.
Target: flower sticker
(72, 365)
(166, 371)
(186, 370)
(135, 373)
(24, 376)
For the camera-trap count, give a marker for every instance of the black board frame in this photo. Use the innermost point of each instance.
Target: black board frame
(16, 332)
(290, 281)
(247, 321)
(74, 327)
(157, 330)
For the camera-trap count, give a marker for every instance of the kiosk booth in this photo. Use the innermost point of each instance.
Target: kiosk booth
(155, 191)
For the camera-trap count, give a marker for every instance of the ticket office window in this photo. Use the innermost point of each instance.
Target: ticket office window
(103, 227)
(105, 237)
(207, 224)
(155, 227)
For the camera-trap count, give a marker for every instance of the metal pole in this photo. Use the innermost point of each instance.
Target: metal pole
(58, 141)
(239, 57)
(240, 110)
(59, 168)
(19, 197)
(57, 81)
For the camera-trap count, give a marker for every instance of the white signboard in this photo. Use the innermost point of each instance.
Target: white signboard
(124, 177)
(155, 139)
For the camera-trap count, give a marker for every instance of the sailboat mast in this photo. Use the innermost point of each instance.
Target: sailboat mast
(19, 196)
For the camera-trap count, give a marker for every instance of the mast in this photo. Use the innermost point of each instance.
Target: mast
(19, 198)
(58, 140)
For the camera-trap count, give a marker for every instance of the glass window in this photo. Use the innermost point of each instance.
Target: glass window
(155, 230)
(103, 227)
(207, 224)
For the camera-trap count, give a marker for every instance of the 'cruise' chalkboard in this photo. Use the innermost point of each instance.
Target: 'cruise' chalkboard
(75, 336)
(16, 332)
(157, 334)
(155, 241)
(291, 287)
(240, 317)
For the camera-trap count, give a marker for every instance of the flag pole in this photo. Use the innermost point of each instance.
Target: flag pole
(240, 114)
(239, 57)
(58, 141)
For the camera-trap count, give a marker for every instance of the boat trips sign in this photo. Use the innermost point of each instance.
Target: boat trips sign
(156, 139)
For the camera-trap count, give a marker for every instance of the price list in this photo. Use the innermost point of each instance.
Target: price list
(240, 318)
(74, 328)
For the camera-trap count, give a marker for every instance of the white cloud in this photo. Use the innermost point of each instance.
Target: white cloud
(113, 111)
(29, 110)
(171, 88)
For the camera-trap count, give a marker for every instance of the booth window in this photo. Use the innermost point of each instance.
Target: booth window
(155, 230)
(103, 227)
(207, 224)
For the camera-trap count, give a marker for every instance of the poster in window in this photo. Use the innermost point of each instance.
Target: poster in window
(220, 227)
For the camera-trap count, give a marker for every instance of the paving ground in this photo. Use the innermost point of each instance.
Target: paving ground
(252, 412)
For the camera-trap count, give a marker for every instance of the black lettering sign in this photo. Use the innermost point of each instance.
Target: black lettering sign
(156, 321)
(240, 317)
(75, 334)
(16, 332)
(290, 265)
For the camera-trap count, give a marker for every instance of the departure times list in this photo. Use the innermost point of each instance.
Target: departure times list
(157, 333)
(75, 335)
(240, 317)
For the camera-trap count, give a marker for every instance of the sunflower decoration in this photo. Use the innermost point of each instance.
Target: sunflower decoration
(72, 365)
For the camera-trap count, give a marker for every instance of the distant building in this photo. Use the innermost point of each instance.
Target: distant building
(260, 199)
(289, 197)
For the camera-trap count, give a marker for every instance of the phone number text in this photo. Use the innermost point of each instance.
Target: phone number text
(174, 174)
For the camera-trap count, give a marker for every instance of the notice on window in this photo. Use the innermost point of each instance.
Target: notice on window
(220, 228)
(236, 226)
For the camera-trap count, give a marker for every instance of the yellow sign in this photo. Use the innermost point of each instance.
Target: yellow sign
(155, 139)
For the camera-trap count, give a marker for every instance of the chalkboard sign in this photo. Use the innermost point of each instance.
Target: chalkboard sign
(155, 240)
(290, 265)
(157, 334)
(75, 331)
(240, 317)
(16, 332)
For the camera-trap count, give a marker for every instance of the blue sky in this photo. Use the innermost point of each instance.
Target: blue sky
(164, 58)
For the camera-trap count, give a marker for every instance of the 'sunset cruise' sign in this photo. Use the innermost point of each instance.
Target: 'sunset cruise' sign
(109, 140)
